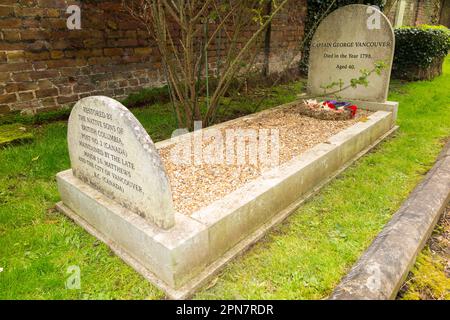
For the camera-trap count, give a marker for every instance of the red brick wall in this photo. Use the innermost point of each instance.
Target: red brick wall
(44, 66)
(418, 12)
(428, 11)
(409, 17)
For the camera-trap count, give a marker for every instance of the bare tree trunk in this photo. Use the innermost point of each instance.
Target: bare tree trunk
(389, 5)
(176, 26)
(266, 67)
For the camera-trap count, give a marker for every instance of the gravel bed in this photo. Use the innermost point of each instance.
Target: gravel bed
(197, 185)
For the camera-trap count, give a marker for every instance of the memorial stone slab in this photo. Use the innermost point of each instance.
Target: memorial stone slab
(111, 151)
(350, 40)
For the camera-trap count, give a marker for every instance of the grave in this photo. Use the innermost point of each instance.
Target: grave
(178, 221)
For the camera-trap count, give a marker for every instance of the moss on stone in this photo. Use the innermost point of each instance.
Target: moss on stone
(430, 277)
(13, 133)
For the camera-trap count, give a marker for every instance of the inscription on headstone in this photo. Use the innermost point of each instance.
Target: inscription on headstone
(351, 40)
(111, 151)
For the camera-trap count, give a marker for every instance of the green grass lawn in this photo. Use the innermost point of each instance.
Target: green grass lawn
(304, 258)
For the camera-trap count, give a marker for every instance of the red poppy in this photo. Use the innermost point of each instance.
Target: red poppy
(330, 105)
(353, 109)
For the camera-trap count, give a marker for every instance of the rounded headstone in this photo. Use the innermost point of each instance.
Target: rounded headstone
(111, 151)
(351, 39)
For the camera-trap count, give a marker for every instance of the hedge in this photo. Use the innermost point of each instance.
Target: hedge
(418, 48)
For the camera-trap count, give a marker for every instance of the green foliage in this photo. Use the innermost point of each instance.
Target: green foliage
(316, 9)
(365, 74)
(419, 46)
(143, 97)
(428, 278)
(362, 80)
(40, 118)
(147, 96)
(332, 85)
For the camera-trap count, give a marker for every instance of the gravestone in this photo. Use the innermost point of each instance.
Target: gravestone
(111, 151)
(349, 40)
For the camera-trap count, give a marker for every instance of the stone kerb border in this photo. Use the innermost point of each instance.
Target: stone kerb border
(181, 259)
(383, 267)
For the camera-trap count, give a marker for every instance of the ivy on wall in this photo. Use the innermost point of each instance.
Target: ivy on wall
(435, 11)
(315, 13)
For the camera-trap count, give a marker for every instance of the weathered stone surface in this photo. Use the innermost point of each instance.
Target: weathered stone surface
(348, 40)
(111, 151)
(384, 266)
(170, 254)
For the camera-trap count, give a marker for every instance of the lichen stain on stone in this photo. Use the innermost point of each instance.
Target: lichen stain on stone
(373, 282)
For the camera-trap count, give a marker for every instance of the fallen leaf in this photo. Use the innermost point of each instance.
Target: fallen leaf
(364, 119)
(212, 284)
